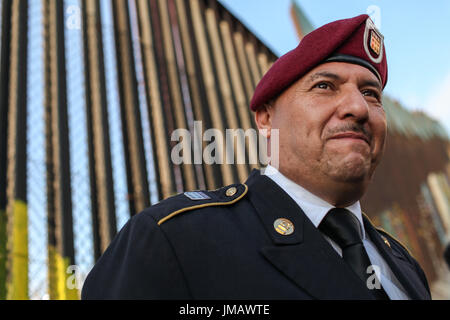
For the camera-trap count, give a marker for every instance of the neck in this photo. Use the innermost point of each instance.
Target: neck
(337, 193)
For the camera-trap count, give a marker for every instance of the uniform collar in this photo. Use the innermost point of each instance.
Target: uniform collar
(304, 255)
(313, 206)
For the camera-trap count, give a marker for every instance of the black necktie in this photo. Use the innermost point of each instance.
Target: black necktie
(341, 226)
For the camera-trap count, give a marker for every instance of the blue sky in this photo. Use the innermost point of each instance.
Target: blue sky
(417, 38)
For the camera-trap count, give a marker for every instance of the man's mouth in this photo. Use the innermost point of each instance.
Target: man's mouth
(351, 135)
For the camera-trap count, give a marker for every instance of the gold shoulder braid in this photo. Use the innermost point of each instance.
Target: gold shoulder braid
(230, 192)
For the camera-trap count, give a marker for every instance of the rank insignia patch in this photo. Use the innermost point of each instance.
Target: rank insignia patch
(197, 195)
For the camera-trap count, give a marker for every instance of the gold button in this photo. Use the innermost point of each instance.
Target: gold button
(283, 226)
(231, 192)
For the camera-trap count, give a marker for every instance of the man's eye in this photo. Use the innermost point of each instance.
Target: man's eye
(322, 85)
(370, 93)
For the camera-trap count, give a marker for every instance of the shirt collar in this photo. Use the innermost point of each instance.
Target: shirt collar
(314, 207)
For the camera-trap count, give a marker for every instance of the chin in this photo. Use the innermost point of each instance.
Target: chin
(352, 178)
(356, 171)
(348, 176)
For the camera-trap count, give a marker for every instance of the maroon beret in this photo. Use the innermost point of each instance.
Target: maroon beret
(354, 40)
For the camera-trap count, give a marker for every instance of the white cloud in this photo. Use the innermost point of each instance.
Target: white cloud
(438, 105)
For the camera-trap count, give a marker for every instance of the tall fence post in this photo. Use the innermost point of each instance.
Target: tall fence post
(100, 166)
(16, 211)
(4, 101)
(138, 189)
(61, 253)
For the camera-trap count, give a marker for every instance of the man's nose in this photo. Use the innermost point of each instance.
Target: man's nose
(353, 105)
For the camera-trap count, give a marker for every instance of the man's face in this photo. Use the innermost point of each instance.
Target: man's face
(332, 126)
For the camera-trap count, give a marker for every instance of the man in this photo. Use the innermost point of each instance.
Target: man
(292, 232)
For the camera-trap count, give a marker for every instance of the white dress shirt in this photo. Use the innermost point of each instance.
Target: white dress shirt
(316, 208)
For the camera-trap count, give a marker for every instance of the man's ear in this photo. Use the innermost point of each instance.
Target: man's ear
(263, 119)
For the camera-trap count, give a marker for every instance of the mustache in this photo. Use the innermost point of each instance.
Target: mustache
(350, 127)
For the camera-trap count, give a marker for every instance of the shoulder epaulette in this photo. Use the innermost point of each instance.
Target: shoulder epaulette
(385, 233)
(192, 200)
(395, 239)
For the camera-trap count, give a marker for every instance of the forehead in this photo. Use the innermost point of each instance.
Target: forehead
(343, 70)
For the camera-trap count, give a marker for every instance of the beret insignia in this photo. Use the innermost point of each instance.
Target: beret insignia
(373, 42)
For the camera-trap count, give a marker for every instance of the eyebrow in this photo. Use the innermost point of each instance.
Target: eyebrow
(330, 75)
(371, 83)
(324, 74)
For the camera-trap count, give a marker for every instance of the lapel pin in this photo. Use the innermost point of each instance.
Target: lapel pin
(283, 226)
(386, 241)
